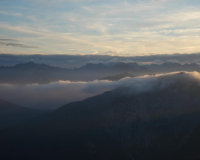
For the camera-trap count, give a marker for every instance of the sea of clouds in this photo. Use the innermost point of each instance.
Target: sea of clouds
(56, 94)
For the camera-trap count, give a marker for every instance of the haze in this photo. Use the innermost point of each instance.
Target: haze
(100, 79)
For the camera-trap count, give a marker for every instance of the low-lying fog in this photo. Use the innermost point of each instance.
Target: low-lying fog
(54, 95)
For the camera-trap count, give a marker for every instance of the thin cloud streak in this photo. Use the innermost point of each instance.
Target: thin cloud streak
(9, 40)
(17, 45)
(10, 43)
(93, 27)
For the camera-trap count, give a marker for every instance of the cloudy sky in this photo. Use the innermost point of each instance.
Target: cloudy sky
(113, 27)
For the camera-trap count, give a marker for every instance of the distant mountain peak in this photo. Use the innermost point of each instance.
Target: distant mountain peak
(33, 65)
(122, 66)
(30, 62)
(94, 66)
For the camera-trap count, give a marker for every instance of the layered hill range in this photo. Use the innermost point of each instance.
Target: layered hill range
(156, 118)
(172, 67)
(30, 72)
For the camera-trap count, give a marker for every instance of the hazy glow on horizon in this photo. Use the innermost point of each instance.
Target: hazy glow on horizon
(113, 27)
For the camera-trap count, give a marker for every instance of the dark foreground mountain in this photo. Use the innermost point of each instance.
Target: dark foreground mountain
(11, 114)
(130, 122)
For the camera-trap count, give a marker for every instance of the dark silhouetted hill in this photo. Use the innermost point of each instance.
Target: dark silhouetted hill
(11, 114)
(161, 123)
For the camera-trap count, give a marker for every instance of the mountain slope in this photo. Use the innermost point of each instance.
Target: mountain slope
(11, 114)
(120, 124)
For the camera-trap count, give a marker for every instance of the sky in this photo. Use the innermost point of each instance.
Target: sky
(99, 27)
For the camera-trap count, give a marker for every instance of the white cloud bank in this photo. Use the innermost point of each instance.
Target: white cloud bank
(56, 94)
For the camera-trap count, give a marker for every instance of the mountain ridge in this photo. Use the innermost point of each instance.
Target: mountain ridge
(118, 124)
(11, 114)
(30, 72)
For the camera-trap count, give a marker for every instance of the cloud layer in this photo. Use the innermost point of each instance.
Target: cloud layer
(12, 43)
(54, 95)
